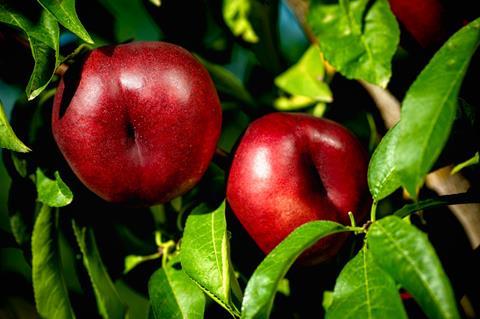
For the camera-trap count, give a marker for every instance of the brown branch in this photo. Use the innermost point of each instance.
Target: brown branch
(300, 9)
(387, 104)
(442, 182)
(61, 69)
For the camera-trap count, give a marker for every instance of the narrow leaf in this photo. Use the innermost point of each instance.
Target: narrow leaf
(263, 284)
(358, 38)
(205, 256)
(43, 34)
(475, 159)
(108, 300)
(454, 199)
(66, 14)
(174, 295)
(364, 290)
(50, 290)
(235, 13)
(430, 105)
(54, 193)
(8, 139)
(46, 61)
(383, 177)
(405, 253)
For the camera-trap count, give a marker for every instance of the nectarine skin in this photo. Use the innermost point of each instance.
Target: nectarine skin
(138, 123)
(425, 20)
(290, 169)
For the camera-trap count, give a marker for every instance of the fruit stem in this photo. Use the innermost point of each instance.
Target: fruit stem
(356, 229)
(373, 211)
(165, 250)
(352, 219)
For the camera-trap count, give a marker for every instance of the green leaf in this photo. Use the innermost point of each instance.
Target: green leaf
(50, 290)
(43, 35)
(454, 199)
(235, 13)
(430, 105)
(174, 295)
(292, 103)
(284, 287)
(263, 284)
(205, 256)
(137, 304)
(13, 261)
(319, 109)
(20, 164)
(226, 82)
(132, 20)
(364, 290)
(46, 61)
(8, 139)
(475, 159)
(40, 25)
(132, 261)
(21, 211)
(65, 13)
(327, 299)
(359, 38)
(305, 78)
(108, 300)
(54, 193)
(383, 177)
(405, 253)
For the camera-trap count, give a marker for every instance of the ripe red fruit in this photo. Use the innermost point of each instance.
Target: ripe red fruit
(425, 20)
(290, 169)
(137, 122)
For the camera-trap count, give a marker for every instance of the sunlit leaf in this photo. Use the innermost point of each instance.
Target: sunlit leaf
(263, 285)
(174, 295)
(405, 253)
(235, 13)
(304, 80)
(383, 176)
(8, 139)
(51, 295)
(205, 256)
(359, 38)
(66, 14)
(54, 193)
(364, 290)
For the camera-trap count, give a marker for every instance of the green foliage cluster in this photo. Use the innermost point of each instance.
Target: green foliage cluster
(190, 262)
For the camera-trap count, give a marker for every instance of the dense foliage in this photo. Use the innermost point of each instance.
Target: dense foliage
(66, 253)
